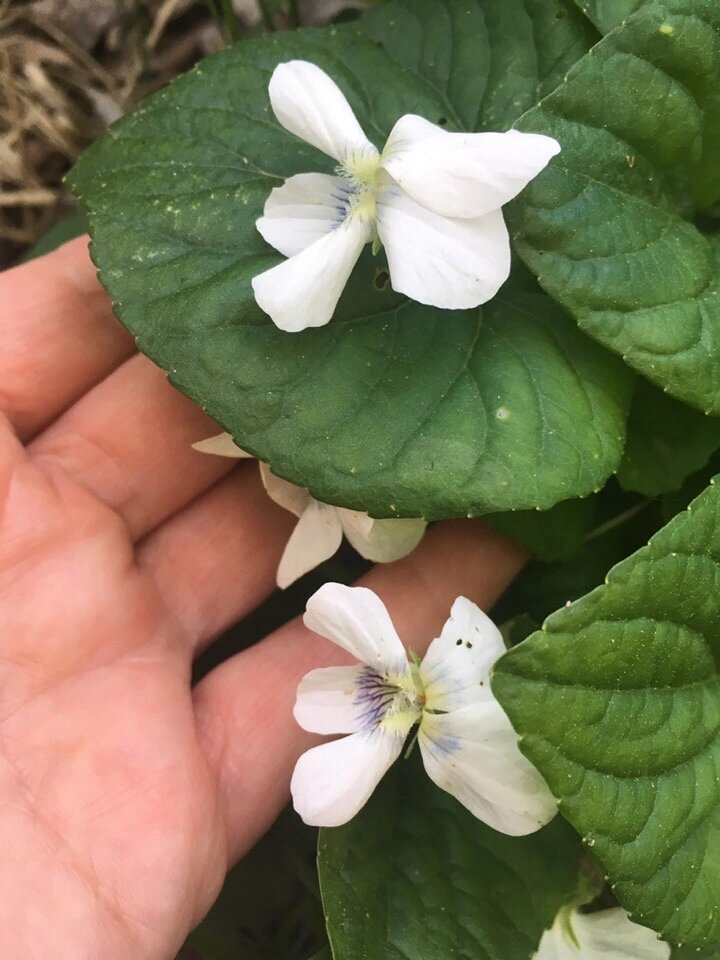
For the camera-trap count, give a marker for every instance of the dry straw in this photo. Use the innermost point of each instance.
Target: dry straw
(67, 69)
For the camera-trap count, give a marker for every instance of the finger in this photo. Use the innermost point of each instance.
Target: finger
(244, 707)
(216, 560)
(58, 336)
(129, 442)
(12, 454)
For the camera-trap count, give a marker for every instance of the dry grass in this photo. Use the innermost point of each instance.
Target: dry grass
(67, 69)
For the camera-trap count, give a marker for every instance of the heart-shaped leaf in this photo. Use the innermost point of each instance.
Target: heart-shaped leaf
(416, 877)
(394, 407)
(617, 701)
(609, 228)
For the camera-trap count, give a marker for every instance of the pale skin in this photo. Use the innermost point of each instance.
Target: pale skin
(125, 795)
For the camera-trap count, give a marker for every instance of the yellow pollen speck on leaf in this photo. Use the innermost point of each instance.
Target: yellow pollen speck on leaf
(667, 29)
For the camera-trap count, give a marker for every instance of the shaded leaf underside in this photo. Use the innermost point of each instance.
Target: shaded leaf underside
(666, 442)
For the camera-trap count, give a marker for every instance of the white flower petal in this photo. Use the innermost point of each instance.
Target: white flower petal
(556, 945)
(308, 103)
(333, 781)
(316, 537)
(463, 174)
(452, 264)
(473, 753)
(381, 541)
(605, 935)
(305, 208)
(356, 619)
(221, 445)
(610, 934)
(456, 668)
(303, 291)
(285, 494)
(360, 524)
(327, 700)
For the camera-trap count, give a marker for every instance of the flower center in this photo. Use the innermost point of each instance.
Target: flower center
(387, 701)
(360, 172)
(363, 205)
(361, 168)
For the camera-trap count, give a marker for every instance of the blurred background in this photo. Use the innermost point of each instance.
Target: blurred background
(68, 68)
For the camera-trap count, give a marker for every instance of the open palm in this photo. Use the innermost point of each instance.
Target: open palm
(125, 794)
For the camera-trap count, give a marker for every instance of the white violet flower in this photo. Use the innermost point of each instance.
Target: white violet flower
(467, 743)
(320, 527)
(432, 198)
(605, 935)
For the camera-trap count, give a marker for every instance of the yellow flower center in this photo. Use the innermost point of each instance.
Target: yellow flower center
(363, 205)
(361, 170)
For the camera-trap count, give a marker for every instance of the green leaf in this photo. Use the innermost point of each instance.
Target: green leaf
(623, 524)
(609, 228)
(707, 177)
(394, 407)
(518, 629)
(666, 442)
(551, 534)
(415, 875)
(606, 14)
(617, 701)
(692, 953)
(676, 501)
(493, 59)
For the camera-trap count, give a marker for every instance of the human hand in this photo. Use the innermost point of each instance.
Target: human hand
(126, 794)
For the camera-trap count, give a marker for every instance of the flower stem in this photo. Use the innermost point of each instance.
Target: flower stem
(618, 520)
(412, 744)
